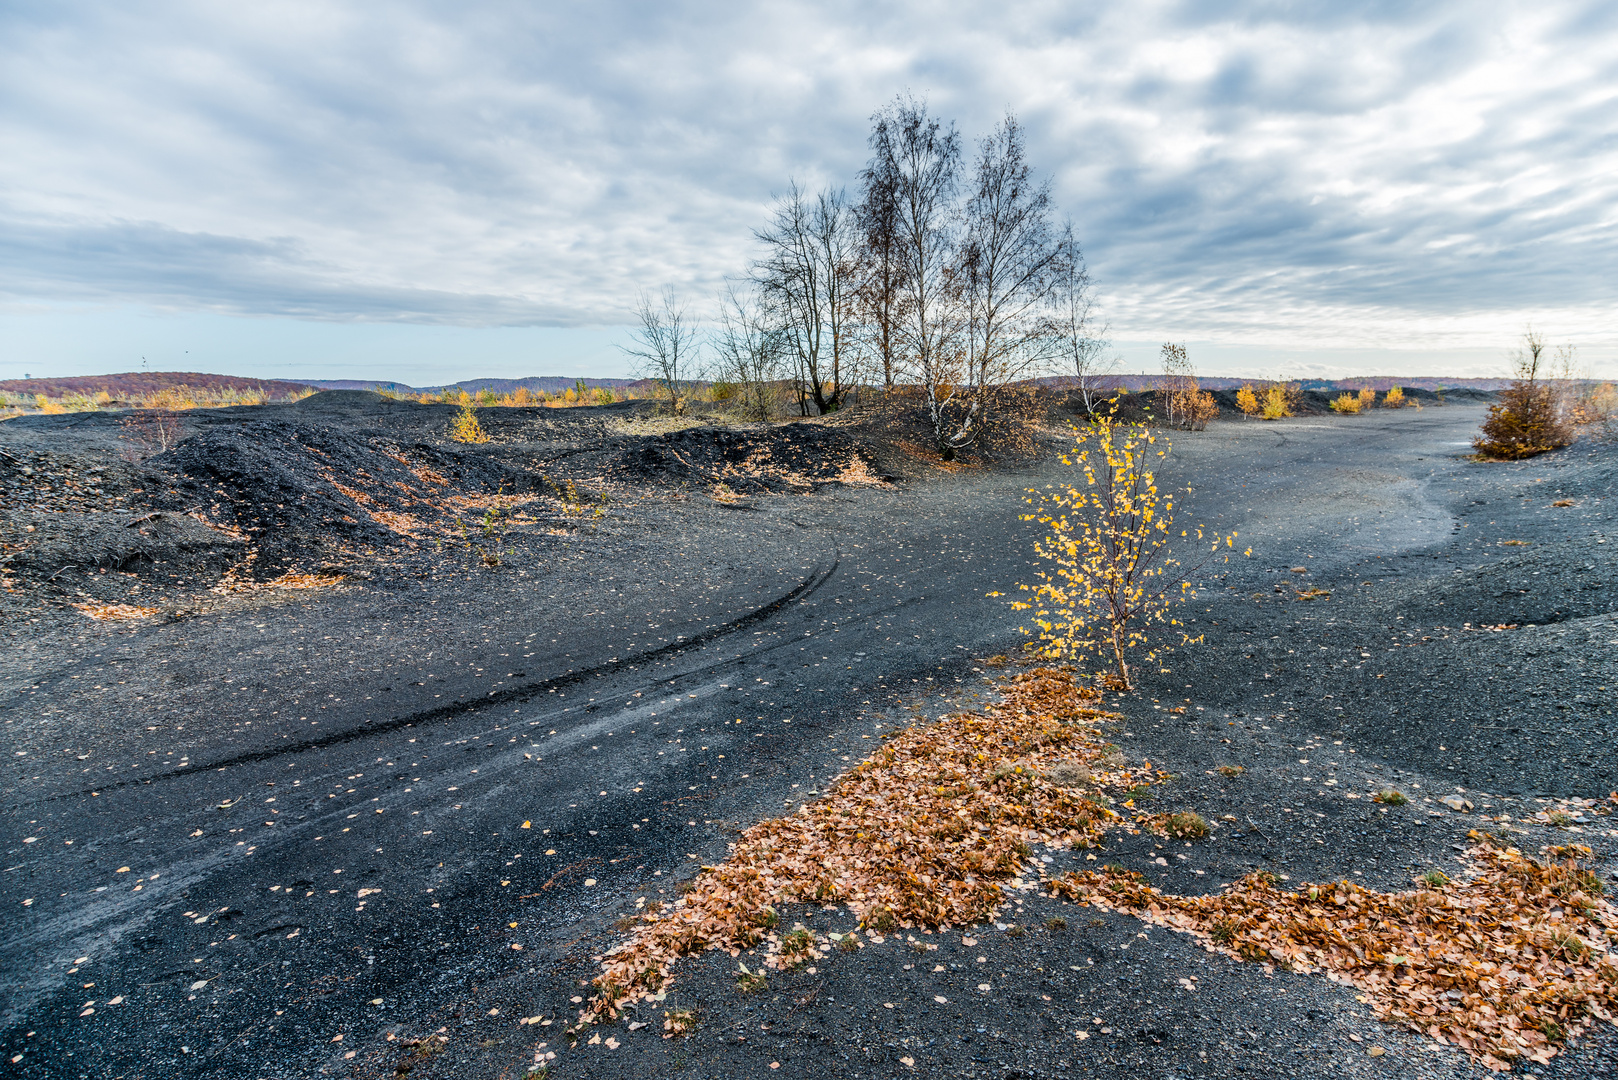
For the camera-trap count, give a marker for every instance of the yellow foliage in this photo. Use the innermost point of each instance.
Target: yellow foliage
(1109, 540)
(1367, 397)
(1247, 400)
(47, 406)
(1345, 403)
(465, 427)
(1276, 404)
(1393, 399)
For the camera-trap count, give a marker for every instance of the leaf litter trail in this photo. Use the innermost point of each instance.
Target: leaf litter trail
(1506, 965)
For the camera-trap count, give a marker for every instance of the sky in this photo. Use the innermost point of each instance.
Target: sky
(429, 191)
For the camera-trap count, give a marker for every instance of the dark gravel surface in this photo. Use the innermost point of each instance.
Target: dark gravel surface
(320, 797)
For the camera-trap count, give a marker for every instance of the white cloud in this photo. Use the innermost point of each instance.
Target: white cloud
(1327, 175)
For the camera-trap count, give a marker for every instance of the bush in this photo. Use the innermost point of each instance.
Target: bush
(1109, 540)
(1247, 400)
(1394, 398)
(1346, 403)
(1367, 397)
(1530, 417)
(465, 427)
(1277, 402)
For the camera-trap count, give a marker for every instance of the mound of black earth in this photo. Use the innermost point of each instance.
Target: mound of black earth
(303, 493)
(792, 457)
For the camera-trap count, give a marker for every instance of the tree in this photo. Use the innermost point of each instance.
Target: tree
(807, 276)
(881, 277)
(1080, 345)
(1013, 264)
(1185, 403)
(749, 346)
(1109, 540)
(665, 349)
(1530, 417)
(926, 158)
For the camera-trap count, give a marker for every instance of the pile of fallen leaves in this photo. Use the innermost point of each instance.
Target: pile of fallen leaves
(1505, 966)
(921, 834)
(116, 612)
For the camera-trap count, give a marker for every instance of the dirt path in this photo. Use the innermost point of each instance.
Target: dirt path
(335, 808)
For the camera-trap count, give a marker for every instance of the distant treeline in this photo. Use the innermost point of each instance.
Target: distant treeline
(138, 385)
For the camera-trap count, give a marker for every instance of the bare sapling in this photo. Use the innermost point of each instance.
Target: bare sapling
(665, 347)
(1109, 542)
(149, 432)
(1081, 345)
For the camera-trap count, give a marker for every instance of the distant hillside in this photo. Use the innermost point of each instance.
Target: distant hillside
(129, 385)
(1375, 382)
(551, 384)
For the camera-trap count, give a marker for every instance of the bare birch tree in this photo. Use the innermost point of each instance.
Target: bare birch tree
(926, 158)
(749, 346)
(807, 276)
(1081, 345)
(665, 349)
(881, 268)
(1014, 261)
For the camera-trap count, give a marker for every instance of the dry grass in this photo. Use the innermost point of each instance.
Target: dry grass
(1505, 965)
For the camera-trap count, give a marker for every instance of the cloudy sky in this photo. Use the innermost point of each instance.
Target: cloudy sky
(434, 190)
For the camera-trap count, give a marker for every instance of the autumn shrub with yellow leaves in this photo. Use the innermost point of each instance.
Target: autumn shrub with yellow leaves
(1394, 398)
(1247, 400)
(1506, 965)
(1277, 403)
(465, 427)
(1109, 544)
(1347, 403)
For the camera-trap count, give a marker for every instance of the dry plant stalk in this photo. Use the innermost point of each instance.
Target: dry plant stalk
(1506, 966)
(921, 834)
(1109, 541)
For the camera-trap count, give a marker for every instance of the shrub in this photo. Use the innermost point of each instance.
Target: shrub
(1247, 400)
(1277, 403)
(1367, 397)
(1109, 542)
(1394, 398)
(1346, 403)
(1186, 825)
(465, 427)
(1530, 417)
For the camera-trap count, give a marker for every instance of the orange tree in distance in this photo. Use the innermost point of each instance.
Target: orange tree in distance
(1109, 543)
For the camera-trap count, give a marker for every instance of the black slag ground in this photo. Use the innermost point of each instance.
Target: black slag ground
(593, 689)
